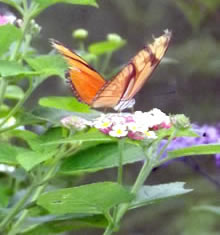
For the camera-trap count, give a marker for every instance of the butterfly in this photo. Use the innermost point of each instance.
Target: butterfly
(91, 88)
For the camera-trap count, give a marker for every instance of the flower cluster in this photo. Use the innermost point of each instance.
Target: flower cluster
(138, 126)
(76, 122)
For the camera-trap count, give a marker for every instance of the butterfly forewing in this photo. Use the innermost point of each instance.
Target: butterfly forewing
(85, 81)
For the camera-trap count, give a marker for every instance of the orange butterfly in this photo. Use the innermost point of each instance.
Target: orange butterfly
(91, 88)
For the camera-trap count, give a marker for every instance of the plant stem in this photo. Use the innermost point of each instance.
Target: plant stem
(120, 163)
(142, 176)
(109, 230)
(106, 61)
(166, 145)
(17, 207)
(150, 162)
(25, 25)
(19, 104)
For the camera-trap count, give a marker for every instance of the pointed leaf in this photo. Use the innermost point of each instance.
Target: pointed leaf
(8, 153)
(42, 4)
(64, 103)
(152, 194)
(203, 149)
(30, 159)
(9, 33)
(100, 157)
(48, 65)
(91, 198)
(14, 69)
(100, 48)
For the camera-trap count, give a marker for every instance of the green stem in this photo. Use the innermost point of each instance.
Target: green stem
(17, 207)
(19, 104)
(25, 5)
(3, 87)
(24, 28)
(109, 230)
(144, 173)
(120, 163)
(171, 137)
(105, 63)
(81, 46)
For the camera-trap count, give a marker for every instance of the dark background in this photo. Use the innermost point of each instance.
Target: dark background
(191, 86)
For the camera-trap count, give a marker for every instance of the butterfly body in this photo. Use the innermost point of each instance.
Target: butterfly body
(91, 88)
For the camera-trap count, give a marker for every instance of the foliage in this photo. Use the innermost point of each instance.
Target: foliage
(41, 149)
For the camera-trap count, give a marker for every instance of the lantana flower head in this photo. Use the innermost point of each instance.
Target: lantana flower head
(76, 122)
(138, 125)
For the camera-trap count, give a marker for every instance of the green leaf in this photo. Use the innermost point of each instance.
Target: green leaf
(179, 132)
(50, 115)
(95, 198)
(64, 103)
(29, 159)
(14, 92)
(99, 158)
(203, 149)
(42, 4)
(100, 48)
(9, 33)
(207, 208)
(4, 195)
(4, 110)
(153, 194)
(12, 69)
(22, 134)
(48, 65)
(39, 144)
(59, 224)
(8, 153)
(26, 118)
(92, 135)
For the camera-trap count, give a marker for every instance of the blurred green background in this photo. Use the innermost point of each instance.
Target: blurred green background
(190, 85)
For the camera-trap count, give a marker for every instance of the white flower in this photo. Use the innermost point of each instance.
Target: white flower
(118, 131)
(150, 135)
(102, 123)
(132, 126)
(158, 117)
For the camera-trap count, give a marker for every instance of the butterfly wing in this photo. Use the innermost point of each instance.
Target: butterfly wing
(125, 85)
(85, 81)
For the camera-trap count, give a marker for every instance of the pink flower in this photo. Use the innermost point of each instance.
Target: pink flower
(7, 18)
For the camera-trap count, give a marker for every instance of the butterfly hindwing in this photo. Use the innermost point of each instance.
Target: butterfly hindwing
(125, 85)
